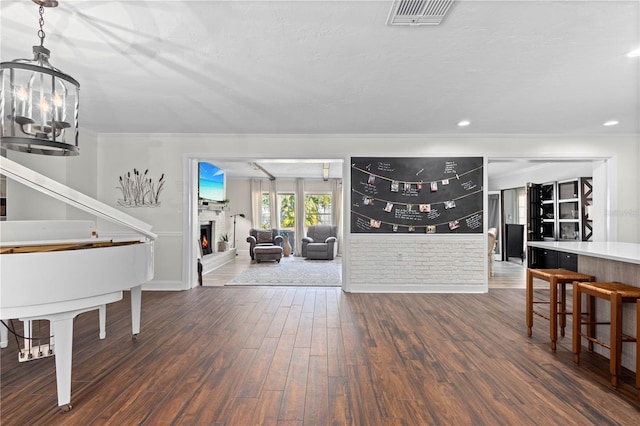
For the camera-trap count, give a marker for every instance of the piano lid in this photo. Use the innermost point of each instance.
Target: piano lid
(70, 196)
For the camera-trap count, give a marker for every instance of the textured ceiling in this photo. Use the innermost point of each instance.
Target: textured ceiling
(335, 67)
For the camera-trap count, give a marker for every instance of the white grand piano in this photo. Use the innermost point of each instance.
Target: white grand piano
(55, 270)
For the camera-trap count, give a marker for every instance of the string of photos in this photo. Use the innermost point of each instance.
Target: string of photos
(386, 197)
(471, 219)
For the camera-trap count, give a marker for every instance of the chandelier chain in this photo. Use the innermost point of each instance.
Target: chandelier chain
(41, 33)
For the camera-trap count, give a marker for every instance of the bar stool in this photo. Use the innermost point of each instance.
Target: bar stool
(638, 354)
(553, 277)
(617, 294)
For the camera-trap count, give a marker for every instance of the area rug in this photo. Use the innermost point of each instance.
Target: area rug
(294, 271)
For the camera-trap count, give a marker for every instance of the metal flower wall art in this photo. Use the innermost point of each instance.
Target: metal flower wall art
(139, 190)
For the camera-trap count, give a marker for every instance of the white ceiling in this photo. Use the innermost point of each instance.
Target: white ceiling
(281, 168)
(336, 67)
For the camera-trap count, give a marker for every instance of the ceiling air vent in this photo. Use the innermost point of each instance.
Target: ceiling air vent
(418, 12)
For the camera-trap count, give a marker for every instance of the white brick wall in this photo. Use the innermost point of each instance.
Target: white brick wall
(417, 263)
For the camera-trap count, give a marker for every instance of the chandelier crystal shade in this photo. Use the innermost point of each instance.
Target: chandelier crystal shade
(38, 103)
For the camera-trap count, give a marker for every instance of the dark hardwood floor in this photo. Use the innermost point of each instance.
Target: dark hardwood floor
(318, 356)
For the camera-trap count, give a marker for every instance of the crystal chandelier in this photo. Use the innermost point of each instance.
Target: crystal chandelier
(38, 103)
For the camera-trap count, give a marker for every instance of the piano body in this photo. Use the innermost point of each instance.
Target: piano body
(56, 270)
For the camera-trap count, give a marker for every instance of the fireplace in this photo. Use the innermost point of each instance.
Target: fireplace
(207, 237)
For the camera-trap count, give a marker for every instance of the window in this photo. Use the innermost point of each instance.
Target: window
(317, 209)
(265, 211)
(287, 210)
(522, 206)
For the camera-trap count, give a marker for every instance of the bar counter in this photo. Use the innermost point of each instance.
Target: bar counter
(607, 261)
(623, 252)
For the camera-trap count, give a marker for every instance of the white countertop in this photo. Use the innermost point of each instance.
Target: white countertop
(622, 252)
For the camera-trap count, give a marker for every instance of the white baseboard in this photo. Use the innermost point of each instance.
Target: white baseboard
(164, 286)
(395, 288)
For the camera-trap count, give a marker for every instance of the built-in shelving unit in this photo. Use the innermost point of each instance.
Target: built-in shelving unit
(586, 201)
(560, 211)
(569, 211)
(3, 197)
(548, 210)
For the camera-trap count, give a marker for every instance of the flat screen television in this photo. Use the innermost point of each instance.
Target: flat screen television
(211, 182)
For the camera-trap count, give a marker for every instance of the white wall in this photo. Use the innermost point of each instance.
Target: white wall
(239, 195)
(81, 172)
(510, 204)
(119, 153)
(78, 172)
(540, 173)
(165, 153)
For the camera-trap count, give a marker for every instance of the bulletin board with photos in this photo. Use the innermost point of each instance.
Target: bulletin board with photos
(432, 195)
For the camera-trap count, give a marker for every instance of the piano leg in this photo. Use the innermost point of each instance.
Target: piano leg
(62, 324)
(26, 331)
(102, 313)
(136, 302)
(52, 340)
(4, 336)
(63, 330)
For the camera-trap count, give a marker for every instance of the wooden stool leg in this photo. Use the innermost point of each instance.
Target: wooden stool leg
(616, 338)
(591, 319)
(563, 308)
(553, 312)
(577, 323)
(638, 347)
(529, 302)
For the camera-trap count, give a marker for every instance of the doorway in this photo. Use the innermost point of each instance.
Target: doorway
(306, 175)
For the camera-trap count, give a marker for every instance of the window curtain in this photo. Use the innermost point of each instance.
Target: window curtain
(336, 209)
(301, 216)
(256, 203)
(273, 204)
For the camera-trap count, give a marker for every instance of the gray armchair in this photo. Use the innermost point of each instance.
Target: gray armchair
(321, 242)
(263, 237)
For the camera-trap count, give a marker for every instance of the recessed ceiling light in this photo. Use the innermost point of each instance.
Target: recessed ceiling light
(610, 123)
(634, 53)
(464, 123)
